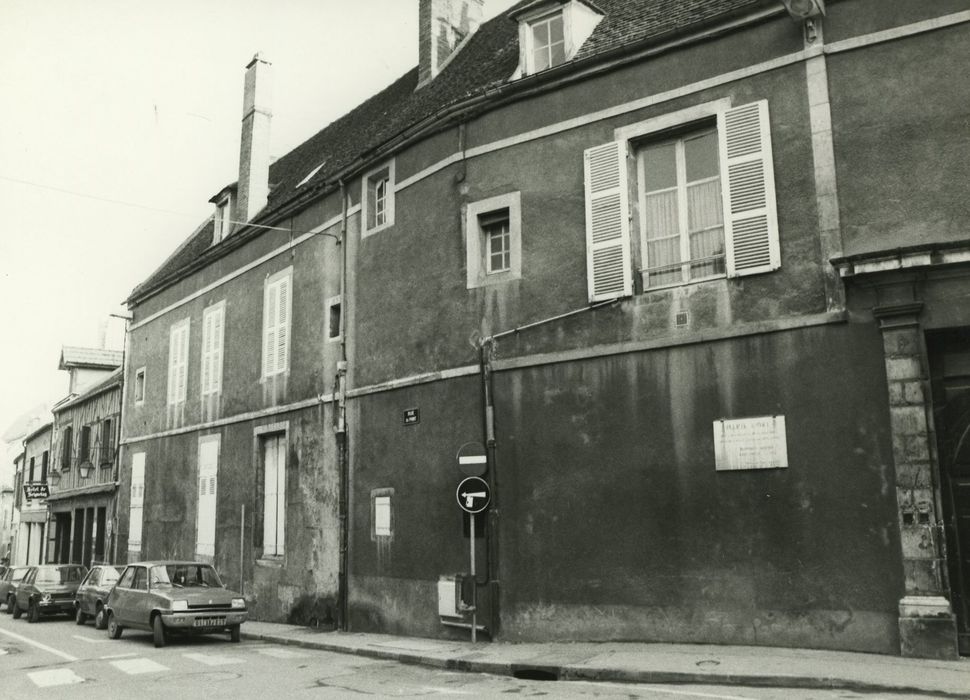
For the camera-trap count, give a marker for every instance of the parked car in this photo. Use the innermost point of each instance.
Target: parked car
(92, 594)
(8, 585)
(48, 589)
(167, 597)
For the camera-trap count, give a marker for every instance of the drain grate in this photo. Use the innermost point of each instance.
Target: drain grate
(535, 674)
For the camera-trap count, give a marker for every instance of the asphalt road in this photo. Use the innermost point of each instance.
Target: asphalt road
(55, 658)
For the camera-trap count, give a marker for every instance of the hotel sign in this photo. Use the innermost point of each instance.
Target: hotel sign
(36, 490)
(750, 443)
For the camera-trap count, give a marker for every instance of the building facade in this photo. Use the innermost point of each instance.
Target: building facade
(32, 491)
(85, 473)
(687, 275)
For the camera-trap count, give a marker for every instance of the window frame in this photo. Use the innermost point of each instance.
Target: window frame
(375, 496)
(477, 259)
(222, 219)
(136, 500)
(545, 18)
(368, 208)
(334, 301)
(207, 549)
(141, 373)
(261, 434)
(678, 140)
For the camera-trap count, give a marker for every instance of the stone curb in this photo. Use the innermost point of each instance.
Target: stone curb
(586, 673)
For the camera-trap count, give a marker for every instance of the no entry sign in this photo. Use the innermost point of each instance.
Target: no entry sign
(472, 459)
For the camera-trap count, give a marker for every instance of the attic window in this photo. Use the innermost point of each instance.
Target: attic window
(222, 220)
(311, 175)
(548, 42)
(551, 32)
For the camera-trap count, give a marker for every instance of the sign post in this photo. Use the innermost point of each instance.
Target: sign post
(473, 497)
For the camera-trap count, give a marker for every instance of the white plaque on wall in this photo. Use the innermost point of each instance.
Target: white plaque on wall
(750, 443)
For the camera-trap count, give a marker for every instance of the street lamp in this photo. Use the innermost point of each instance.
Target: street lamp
(54, 477)
(85, 468)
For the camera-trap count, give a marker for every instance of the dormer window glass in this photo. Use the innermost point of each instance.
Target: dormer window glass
(548, 42)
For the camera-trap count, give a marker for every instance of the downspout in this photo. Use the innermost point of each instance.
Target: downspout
(343, 461)
(492, 548)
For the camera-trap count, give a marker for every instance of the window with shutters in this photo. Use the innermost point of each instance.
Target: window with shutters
(205, 540)
(213, 331)
(377, 195)
(705, 199)
(277, 305)
(137, 501)
(178, 362)
(493, 240)
(107, 440)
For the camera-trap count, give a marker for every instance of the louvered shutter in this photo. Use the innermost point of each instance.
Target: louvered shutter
(608, 267)
(183, 366)
(215, 367)
(750, 216)
(283, 326)
(270, 309)
(206, 518)
(136, 509)
(172, 365)
(207, 352)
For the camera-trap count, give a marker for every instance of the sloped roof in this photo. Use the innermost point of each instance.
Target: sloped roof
(487, 61)
(96, 358)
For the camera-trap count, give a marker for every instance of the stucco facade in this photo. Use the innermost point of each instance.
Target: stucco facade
(614, 513)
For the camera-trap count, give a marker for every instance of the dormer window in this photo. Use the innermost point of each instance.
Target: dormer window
(223, 220)
(548, 42)
(551, 32)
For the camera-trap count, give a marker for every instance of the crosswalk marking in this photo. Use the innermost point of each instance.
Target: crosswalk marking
(214, 659)
(278, 653)
(136, 666)
(89, 640)
(55, 676)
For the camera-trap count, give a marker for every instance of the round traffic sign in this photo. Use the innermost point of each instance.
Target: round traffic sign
(472, 459)
(473, 495)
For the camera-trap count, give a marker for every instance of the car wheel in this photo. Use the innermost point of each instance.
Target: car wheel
(33, 614)
(100, 619)
(114, 629)
(235, 634)
(79, 616)
(17, 612)
(158, 631)
(10, 604)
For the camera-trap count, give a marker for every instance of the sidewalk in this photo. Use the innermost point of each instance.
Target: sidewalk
(646, 663)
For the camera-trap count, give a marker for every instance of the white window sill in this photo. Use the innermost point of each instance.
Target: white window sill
(377, 229)
(271, 561)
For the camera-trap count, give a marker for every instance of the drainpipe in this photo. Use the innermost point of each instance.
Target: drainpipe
(343, 462)
(492, 548)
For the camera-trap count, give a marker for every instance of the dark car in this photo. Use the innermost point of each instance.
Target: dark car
(48, 589)
(8, 585)
(92, 594)
(168, 597)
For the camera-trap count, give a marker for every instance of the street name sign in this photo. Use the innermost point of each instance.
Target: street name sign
(473, 495)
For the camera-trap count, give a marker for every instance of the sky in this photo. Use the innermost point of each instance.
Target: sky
(119, 119)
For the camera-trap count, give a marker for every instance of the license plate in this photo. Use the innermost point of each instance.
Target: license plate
(209, 622)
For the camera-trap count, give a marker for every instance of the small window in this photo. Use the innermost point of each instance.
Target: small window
(140, 385)
(548, 42)
(378, 198)
(333, 318)
(107, 442)
(494, 240)
(30, 476)
(44, 464)
(382, 516)
(222, 220)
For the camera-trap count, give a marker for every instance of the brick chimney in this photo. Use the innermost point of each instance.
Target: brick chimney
(254, 145)
(442, 26)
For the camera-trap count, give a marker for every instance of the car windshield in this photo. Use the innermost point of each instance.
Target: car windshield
(185, 576)
(60, 574)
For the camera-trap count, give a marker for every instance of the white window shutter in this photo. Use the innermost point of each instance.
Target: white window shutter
(608, 266)
(183, 363)
(215, 367)
(206, 352)
(283, 326)
(750, 214)
(136, 507)
(172, 365)
(206, 516)
(270, 496)
(270, 307)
